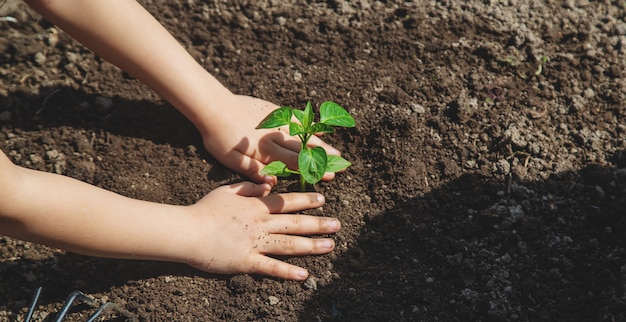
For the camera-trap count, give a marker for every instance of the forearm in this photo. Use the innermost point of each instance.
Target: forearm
(125, 34)
(62, 212)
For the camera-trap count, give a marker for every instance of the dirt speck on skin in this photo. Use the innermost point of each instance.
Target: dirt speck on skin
(488, 158)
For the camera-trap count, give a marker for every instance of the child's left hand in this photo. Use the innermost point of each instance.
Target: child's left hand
(234, 141)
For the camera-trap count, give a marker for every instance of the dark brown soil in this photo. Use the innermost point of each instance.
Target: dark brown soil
(489, 177)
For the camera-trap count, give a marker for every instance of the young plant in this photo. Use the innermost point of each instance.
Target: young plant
(312, 162)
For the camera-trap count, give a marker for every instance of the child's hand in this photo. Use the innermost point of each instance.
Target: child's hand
(234, 228)
(234, 141)
(227, 122)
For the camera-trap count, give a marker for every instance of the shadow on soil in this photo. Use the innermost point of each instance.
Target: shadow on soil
(61, 274)
(66, 110)
(64, 106)
(479, 250)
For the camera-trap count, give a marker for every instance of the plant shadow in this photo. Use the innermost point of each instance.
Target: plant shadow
(477, 249)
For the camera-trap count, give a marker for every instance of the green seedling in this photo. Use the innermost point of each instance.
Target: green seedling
(508, 60)
(542, 60)
(312, 162)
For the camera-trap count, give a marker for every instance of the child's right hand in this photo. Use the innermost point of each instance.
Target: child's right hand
(235, 227)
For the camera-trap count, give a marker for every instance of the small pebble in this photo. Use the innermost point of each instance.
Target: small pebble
(40, 58)
(273, 300)
(310, 283)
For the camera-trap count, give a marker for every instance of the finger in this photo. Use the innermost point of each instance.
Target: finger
(273, 267)
(328, 176)
(296, 245)
(272, 146)
(281, 151)
(302, 225)
(293, 202)
(249, 189)
(236, 160)
(288, 141)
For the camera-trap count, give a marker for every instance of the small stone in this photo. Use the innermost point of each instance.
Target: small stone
(35, 159)
(297, 76)
(455, 260)
(52, 38)
(273, 300)
(191, 150)
(502, 167)
(310, 283)
(506, 258)
(73, 58)
(40, 58)
(103, 102)
(52, 154)
(600, 191)
(418, 108)
(59, 166)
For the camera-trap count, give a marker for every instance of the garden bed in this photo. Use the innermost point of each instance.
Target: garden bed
(488, 178)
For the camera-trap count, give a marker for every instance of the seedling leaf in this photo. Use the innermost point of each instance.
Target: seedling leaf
(332, 113)
(277, 118)
(308, 116)
(312, 164)
(336, 163)
(277, 168)
(321, 128)
(295, 129)
(299, 114)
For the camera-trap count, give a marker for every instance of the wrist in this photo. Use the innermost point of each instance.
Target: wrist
(206, 104)
(176, 237)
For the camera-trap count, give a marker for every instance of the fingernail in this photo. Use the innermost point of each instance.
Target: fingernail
(269, 180)
(302, 273)
(333, 151)
(333, 224)
(328, 243)
(320, 198)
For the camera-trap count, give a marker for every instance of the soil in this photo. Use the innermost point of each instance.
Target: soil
(489, 158)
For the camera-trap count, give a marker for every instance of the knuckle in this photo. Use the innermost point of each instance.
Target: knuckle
(296, 222)
(316, 199)
(274, 268)
(323, 224)
(289, 244)
(252, 172)
(289, 198)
